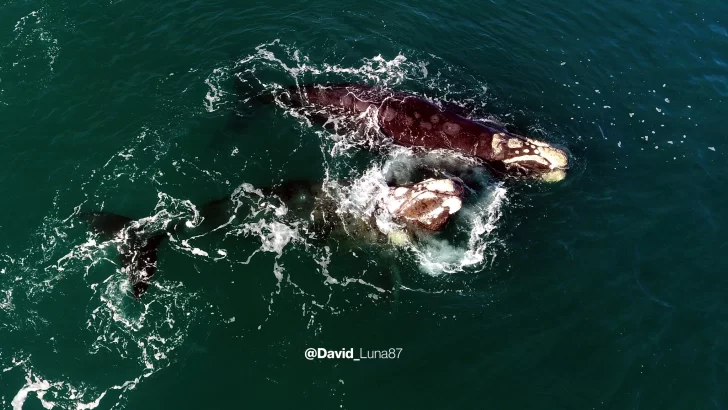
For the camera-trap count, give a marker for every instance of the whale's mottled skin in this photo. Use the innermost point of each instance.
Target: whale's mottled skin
(415, 122)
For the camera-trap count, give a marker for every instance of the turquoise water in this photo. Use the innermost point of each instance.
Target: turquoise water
(607, 290)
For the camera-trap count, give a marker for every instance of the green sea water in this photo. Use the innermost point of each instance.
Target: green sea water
(607, 290)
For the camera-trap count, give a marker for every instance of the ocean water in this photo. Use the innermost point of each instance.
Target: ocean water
(604, 291)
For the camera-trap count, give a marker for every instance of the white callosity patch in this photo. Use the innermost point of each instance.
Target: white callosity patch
(443, 186)
(515, 143)
(556, 157)
(529, 150)
(400, 192)
(555, 175)
(427, 204)
(495, 144)
(452, 204)
(525, 158)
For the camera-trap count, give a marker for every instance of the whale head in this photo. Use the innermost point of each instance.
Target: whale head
(520, 155)
(428, 204)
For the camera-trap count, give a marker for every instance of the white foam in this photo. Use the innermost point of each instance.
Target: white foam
(214, 95)
(6, 302)
(273, 235)
(90, 405)
(31, 29)
(441, 256)
(193, 250)
(32, 384)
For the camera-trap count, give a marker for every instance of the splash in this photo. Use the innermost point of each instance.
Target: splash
(478, 220)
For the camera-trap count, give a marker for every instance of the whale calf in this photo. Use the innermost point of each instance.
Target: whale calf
(412, 121)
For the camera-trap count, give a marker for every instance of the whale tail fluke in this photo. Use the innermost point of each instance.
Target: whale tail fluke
(138, 249)
(105, 224)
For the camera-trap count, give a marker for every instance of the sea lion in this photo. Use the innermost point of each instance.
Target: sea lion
(412, 121)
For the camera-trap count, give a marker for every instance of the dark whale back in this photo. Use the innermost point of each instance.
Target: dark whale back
(413, 121)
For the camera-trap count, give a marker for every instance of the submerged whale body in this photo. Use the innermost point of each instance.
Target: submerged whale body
(412, 121)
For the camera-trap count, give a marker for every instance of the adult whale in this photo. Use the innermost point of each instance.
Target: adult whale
(412, 121)
(415, 210)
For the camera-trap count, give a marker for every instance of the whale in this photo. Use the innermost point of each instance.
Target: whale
(414, 210)
(400, 214)
(412, 121)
